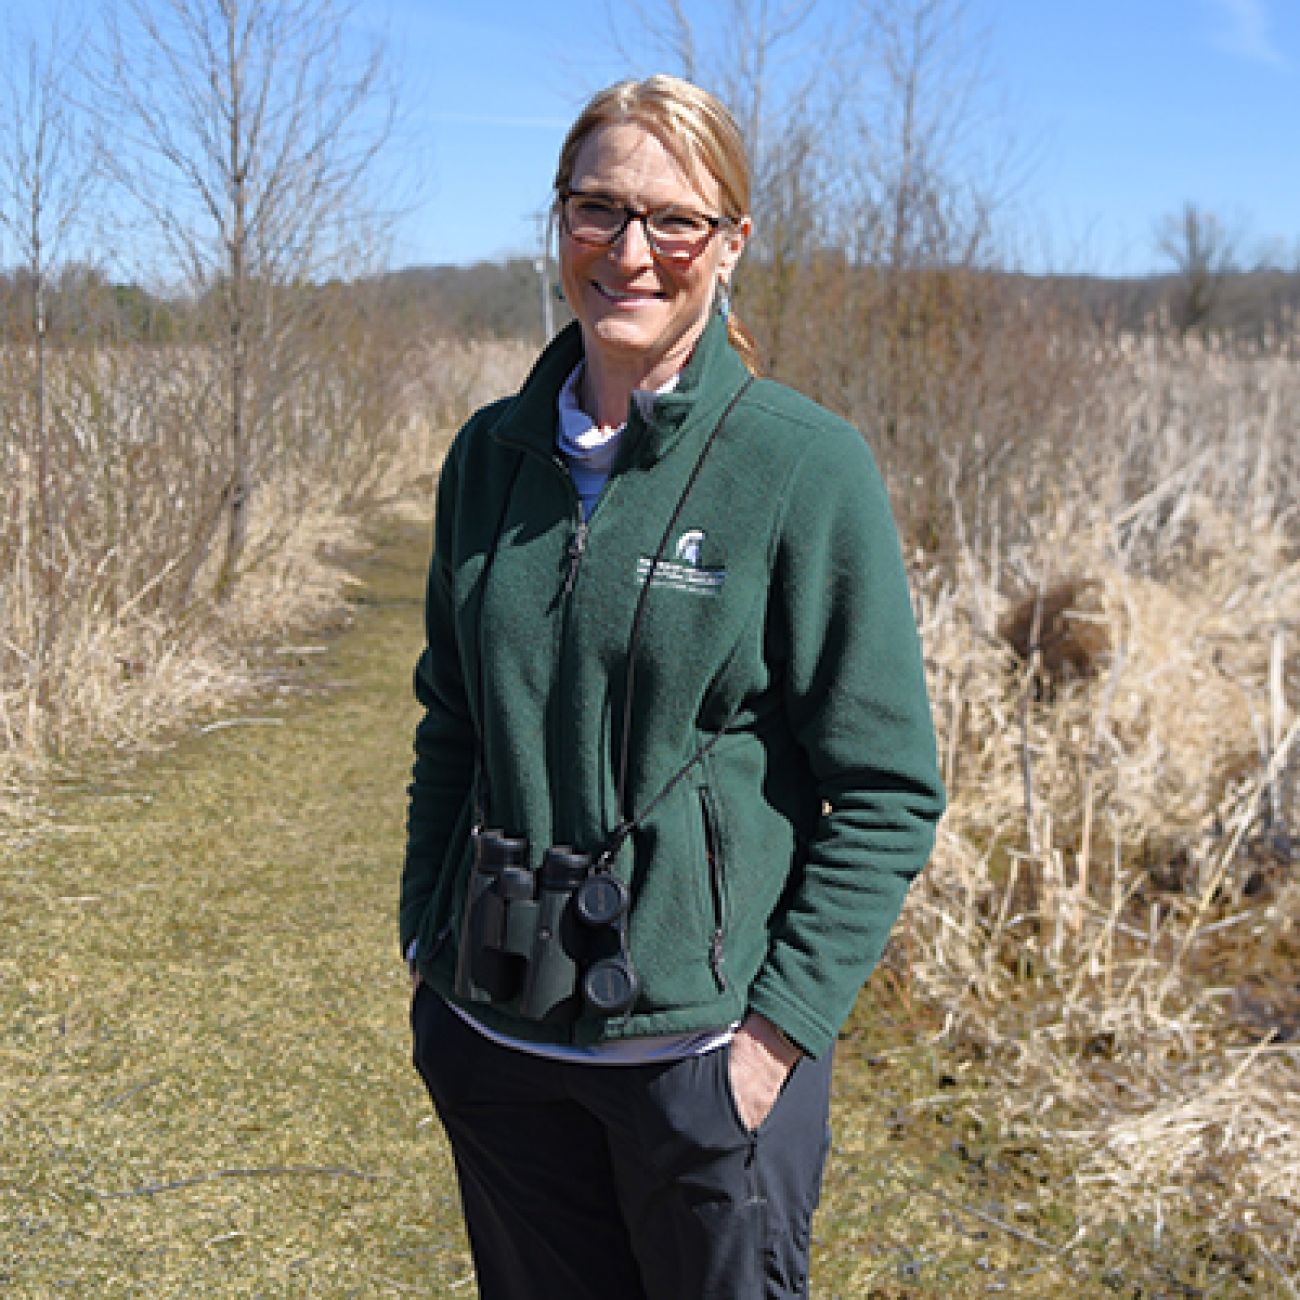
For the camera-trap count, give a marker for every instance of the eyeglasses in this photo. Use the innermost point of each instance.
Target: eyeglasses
(677, 234)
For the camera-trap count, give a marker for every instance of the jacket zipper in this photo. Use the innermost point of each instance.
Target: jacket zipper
(575, 549)
(577, 545)
(712, 851)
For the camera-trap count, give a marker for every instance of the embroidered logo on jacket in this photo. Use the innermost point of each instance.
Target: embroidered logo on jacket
(688, 547)
(686, 571)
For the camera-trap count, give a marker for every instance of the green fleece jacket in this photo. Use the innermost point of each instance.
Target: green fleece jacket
(769, 876)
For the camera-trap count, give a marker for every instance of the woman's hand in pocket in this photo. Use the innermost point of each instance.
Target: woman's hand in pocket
(760, 1061)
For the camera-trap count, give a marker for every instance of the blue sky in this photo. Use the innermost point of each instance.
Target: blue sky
(1126, 109)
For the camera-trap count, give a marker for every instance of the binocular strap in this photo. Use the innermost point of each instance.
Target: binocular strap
(628, 821)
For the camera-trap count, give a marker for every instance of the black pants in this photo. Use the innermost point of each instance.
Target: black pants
(623, 1182)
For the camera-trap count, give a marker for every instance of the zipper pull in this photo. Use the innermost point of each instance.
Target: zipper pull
(577, 544)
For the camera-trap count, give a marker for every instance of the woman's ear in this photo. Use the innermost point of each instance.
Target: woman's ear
(732, 244)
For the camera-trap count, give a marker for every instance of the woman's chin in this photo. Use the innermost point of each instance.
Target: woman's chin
(650, 336)
(622, 334)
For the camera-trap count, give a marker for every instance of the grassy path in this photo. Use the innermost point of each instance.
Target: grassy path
(203, 1077)
(204, 1086)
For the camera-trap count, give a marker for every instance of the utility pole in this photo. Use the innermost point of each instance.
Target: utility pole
(543, 268)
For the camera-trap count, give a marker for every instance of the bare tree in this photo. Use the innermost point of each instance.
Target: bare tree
(246, 131)
(45, 181)
(867, 114)
(924, 177)
(1204, 250)
(884, 169)
(764, 59)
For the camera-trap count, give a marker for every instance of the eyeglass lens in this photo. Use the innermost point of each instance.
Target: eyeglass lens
(671, 231)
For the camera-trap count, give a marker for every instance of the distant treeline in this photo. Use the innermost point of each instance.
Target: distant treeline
(504, 300)
(484, 301)
(1243, 304)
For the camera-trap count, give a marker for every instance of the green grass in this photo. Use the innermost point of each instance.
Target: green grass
(205, 1085)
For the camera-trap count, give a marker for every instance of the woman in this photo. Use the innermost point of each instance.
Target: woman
(676, 768)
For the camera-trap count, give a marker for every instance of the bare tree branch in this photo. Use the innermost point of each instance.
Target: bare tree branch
(46, 181)
(1205, 252)
(246, 132)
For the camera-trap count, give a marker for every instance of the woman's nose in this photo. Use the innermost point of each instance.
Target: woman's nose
(633, 243)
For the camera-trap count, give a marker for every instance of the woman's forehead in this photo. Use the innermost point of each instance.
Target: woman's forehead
(634, 162)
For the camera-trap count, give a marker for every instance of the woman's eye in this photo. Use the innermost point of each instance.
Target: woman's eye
(678, 223)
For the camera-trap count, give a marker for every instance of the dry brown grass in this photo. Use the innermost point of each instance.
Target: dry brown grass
(111, 633)
(1113, 917)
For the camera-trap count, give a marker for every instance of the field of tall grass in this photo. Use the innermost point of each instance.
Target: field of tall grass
(1112, 918)
(112, 629)
(1107, 577)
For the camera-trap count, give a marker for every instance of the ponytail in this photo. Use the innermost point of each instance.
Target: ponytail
(743, 341)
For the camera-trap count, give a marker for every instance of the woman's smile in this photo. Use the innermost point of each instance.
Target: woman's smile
(627, 297)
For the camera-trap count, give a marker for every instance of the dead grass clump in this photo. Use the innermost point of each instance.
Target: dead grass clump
(122, 682)
(1058, 633)
(1232, 1135)
(1110, 893)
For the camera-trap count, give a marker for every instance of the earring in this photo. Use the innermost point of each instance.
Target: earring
(724, 299)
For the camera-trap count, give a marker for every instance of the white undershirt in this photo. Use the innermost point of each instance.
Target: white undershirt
(588, 449)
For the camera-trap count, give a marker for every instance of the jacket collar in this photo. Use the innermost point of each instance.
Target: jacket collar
(709, 380)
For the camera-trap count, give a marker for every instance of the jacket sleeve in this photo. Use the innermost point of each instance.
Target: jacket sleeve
(856, 701)
(444, 737)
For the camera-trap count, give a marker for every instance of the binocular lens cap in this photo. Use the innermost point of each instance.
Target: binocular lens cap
(495, 848)
(610, 986)
(564, 868)
(601, 899)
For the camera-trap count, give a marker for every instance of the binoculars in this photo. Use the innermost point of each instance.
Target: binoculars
(546, 943)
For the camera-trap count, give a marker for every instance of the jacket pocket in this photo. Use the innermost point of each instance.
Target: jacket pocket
(673, 924)
(717, 887)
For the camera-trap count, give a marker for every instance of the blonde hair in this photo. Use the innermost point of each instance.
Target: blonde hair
(697, 130)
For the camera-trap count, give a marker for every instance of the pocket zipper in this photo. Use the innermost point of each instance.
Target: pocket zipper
(717, 956)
